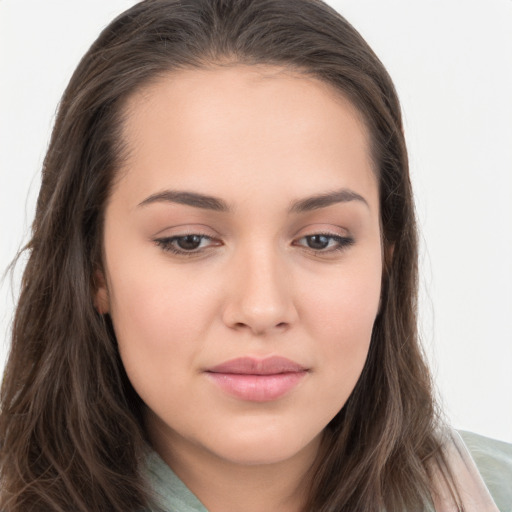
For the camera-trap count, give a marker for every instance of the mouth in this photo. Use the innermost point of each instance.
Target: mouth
(257, 380)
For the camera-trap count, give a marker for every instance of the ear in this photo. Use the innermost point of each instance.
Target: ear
(387, 260)
(388, 256)
(101, 299)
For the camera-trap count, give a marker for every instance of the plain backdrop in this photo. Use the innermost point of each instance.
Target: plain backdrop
(451, 61)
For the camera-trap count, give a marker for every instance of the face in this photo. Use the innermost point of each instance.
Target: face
(242, 259)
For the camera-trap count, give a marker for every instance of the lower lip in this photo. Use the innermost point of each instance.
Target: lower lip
(257, 388)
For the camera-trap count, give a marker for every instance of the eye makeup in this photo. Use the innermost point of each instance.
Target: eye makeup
(186, 245)
(193, 244)
(325, 242)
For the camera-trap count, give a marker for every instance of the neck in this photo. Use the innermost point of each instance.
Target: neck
(221, 484)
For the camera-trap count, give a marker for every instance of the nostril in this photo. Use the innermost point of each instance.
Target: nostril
(242, 325)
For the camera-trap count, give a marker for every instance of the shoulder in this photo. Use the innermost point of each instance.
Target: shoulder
(494, 462)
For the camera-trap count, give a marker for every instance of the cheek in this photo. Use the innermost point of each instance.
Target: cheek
(159, 318)
(341, 320)
(347, 303)
(151, 296)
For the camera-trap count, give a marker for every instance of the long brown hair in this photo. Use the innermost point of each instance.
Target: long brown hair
(70, 426)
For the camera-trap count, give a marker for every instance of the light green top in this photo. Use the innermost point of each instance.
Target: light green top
(493, 459)
(171, 494)
(494, 462)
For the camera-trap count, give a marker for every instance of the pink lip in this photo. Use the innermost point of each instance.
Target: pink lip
(257, 380)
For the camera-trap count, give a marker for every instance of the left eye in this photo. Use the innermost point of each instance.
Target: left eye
(185, 243)
(325, 242)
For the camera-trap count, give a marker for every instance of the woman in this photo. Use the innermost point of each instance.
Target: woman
(218, 311)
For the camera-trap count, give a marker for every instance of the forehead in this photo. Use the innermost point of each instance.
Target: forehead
(224, 95)
(256, 78)
(250, 122)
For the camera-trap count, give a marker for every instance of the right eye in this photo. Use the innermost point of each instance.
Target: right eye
(186, 244)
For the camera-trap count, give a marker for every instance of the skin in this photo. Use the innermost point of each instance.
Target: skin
(259, 138)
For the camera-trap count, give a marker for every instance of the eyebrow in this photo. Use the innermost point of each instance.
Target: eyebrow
(316, 202)
(206, 202)
(188, 198)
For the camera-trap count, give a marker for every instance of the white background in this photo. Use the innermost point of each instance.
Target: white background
(451, 61)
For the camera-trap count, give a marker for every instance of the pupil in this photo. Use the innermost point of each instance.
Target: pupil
(189, 242)
(318, 241)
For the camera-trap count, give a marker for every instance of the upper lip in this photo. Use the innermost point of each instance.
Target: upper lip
(253, 366)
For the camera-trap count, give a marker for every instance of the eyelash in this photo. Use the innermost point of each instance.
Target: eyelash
(342, 242)
(168, 244)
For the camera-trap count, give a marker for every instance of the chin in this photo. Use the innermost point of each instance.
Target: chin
(262, 447)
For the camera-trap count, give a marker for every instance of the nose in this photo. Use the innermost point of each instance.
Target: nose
(260, 293)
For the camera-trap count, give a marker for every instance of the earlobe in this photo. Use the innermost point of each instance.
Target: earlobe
(101, 299)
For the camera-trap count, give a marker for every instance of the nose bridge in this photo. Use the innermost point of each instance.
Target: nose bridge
(260, 298)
